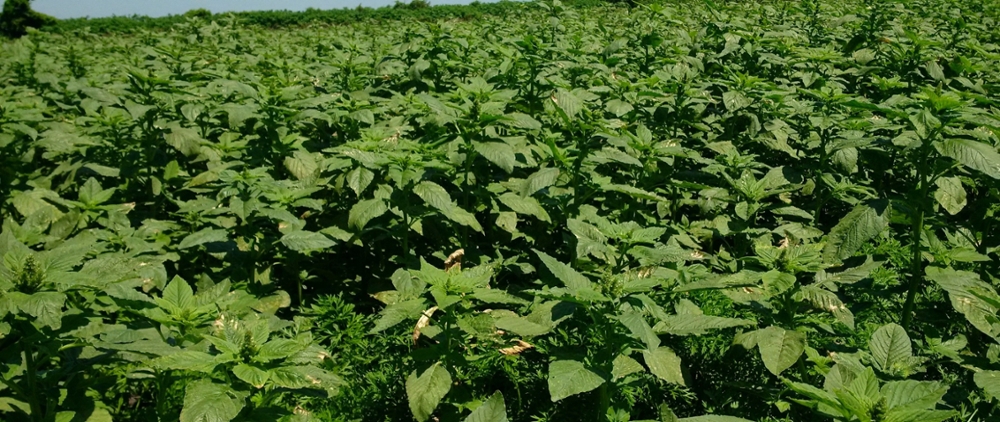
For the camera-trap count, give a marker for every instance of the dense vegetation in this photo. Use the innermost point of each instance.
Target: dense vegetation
(415, 9)
(767, 211)
(17, 17)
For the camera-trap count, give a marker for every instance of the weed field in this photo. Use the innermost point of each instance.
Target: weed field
(689, 211)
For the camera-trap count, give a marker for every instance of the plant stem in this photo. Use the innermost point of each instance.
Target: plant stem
(916, 261)
(31, 374)
(605, 401)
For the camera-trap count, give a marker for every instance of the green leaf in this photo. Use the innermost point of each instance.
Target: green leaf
(522, 326)
(188, 360)
(950, 194)
(913, 394)
(276, 349)
(202, 237)
(498, 153)
(205, 401)
(434, 195)
(780, 348)
(306, 241)
(539, 180)
(972, 154)
(566, 274)
(855, 229)
(567, 102)
(735, 100)
(692, 324)
(302, 165)
(889, 346)
(970, 296)
(185, 140)
(359, 179)
(398, 312)
(492, 410)
(251, 375)
(989, 381)
(828, 301)
(45, 307)
(525, 206)
(713, 418)
(618, 107)
(918, 415)
(640, 329)
(665, 364)
(179, 294)
(365, 211)
(523, 121)
(497, 296)
(777, 282)
(424, 392)
(623, 366)
(569, 377)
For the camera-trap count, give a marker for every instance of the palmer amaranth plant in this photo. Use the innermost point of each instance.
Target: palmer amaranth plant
(688, 211)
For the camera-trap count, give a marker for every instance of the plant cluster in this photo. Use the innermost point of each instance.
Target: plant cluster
(698, 212)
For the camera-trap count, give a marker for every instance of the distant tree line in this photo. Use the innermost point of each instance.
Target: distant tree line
(17, 17)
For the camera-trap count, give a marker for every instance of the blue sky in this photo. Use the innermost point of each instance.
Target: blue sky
(64, 9)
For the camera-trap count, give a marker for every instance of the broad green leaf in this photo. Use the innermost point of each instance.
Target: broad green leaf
(398, 312)
(665, 364)
(523, 121)
(569, 378)
(278, 349)
(525, 206)
(735, 100)
(564, 273)
(306, 241)
(919, 415)
(522, 326)
(623, 366)
(497, 296)
(365, 211)
(618, 107)
(849, 276)
(434, 195)
(251, 375)
(777, 282)
(492, 410)
(568, 102)
(780, 348)
(950, 194)
(972, 154)
(693, 324)
(855, 229)
(425, 391)
(539, 180)
(302, 165)
(913, 394)
(890, 346)
(45, 307)
(713, 418)
(640, 329)
(498, 153)
(188, 360)
(970, 296)
(185, 140)
(179, 293)
(202, 237)
(989, 381)
(359, 179)
(206, 401)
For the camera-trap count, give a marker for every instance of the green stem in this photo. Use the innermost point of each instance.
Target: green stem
(31, 375)
(604, 402)
(916, 260)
